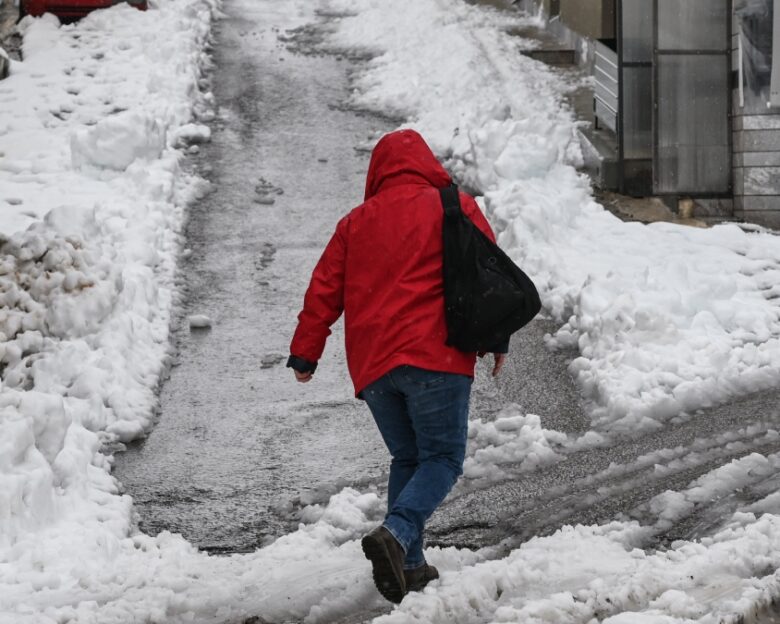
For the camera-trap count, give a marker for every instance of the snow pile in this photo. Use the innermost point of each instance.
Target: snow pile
(163, 578)
(91, 208)
(314, 574)
(192, 133)
(685, 318)
(118, 141)
(511, 439)
(199, 321)
(687, 325)
(584, 574)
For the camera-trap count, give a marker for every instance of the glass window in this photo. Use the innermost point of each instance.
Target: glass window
(693, 146)
(755, 19)
(693, 25)
(637, 31)
(637, 112)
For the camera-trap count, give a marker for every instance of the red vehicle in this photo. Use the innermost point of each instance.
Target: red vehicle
(70, 9)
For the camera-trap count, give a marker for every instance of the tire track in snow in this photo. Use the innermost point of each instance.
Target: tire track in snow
(609, 482)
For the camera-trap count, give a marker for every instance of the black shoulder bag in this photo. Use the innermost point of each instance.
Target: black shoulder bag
(486, 296)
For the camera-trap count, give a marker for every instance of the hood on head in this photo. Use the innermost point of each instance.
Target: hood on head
(403, 152)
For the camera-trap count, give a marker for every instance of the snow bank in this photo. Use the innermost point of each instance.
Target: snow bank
(666, 318)
(688, 325)
(314, 574)
(118, 141)
(584, 574)
(91, 208)
(513, 442)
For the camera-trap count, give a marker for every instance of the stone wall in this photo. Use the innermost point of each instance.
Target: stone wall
(757, 166)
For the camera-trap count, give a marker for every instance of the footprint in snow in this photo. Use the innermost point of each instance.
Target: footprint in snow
(265, 191)
(269, 360)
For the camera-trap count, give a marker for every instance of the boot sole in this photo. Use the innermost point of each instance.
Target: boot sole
(385, 577)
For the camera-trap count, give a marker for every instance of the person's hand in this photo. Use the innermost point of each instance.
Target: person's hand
(302, 377)
(500, 358)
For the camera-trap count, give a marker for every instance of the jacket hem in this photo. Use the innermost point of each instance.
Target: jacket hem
(467, 370)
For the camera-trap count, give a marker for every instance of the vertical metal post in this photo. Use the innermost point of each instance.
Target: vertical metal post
(741, 67)
(655, 95)
(774, 90)
(620, 139)
(730, 131)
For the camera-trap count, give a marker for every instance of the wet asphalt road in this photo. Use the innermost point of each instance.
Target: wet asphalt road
(239, 446)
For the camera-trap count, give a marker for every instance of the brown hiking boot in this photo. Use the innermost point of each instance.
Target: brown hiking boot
(418, 578)
(387, 558)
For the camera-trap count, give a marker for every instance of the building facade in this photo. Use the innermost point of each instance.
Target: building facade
(689, 95)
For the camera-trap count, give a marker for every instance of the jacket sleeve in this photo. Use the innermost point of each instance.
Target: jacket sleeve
(472, 211)
(324, 300)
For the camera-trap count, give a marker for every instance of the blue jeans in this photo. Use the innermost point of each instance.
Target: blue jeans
(423, 418)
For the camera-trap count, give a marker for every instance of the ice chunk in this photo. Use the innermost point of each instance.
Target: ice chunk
(192, 133)
(199, 321)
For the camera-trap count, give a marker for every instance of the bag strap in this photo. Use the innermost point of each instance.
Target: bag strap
(450, 200)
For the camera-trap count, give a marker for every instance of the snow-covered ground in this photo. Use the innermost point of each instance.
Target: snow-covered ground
(93, 129)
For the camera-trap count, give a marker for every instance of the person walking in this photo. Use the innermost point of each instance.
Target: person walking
(383, 269)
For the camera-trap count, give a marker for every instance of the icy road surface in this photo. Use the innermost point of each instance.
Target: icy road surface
(239, 442)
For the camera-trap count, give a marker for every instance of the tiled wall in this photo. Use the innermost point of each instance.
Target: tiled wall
(756, 159)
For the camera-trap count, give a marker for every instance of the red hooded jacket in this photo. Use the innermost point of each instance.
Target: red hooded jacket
(383, 269)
